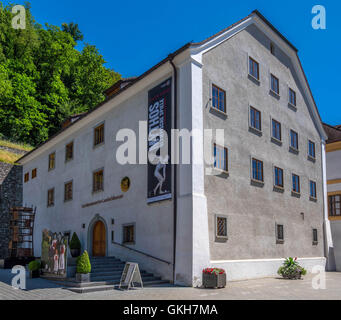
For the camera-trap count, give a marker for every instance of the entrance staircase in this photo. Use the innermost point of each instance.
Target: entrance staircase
(106, 275)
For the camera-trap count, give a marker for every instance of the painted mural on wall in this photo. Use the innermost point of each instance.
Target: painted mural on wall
(54, 253)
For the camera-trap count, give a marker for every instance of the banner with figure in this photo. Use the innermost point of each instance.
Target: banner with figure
(159, 142)
(54, 253)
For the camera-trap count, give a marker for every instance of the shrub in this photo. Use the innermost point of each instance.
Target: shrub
(291, 269)
(75, 243)
(83, 263)
(34, 265)
(215, 271)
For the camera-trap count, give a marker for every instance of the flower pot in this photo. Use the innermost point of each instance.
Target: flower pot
(83, 277)
(214, 280)
(35, 274)
(75, 252)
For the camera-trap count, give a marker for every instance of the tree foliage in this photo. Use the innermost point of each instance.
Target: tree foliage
(44, 78)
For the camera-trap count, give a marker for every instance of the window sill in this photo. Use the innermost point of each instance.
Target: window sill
(98, 145)
(217, 111)
(50, 205)
(129, 243)
(293, 150)
(276, 141)
(292, 107)
(68, 200)
(315, 243)
(279, 241)
(313, 199)
(312, 159)
(68, 160)
(275, 94)
(257, 183)
(219, 172)
(295, 194)
(278, 189)
(97, 191)
(255, 131)
(220, 239)
(254, 79)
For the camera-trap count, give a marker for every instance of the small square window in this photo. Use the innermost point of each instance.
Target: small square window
(292, 97)
(52, 161)
(278, 177)
(129, 234)
(257, 170)
(97, 184)
(279, 233)
(69, 151)
(221, 227)
(293, 139)
(311, 149)
(68, 191)
(272, 48)
(50, 197)
(112, 236)
(255, 119)
(253, 68)
(312, 189)
(26, 177)
(315, 237)
(295, 183)
(99, 134)
(274, 84)
(34, 173)
(276, 130)
(218, 98)
(220, 157)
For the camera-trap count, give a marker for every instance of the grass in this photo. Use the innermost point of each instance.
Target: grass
(14, 145)
(8, 157)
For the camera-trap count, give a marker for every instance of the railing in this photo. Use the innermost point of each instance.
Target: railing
(138, 251)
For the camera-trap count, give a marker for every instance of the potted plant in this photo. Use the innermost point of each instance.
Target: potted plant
(214, 278)
(75, 246)
(291, 269)
(83, 268)
(34, 268)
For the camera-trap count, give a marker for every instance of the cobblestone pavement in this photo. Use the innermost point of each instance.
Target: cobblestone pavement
(266, 288)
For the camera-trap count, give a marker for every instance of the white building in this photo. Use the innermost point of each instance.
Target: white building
(266, 198)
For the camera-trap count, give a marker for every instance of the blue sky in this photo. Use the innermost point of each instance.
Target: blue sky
(134, 35)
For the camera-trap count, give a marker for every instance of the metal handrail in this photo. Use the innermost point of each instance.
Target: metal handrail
(138, 251)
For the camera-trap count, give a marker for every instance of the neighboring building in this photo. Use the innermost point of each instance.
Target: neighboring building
(333, 150)
(265, 200)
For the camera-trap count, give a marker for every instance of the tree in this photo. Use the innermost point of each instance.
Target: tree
(73, 30)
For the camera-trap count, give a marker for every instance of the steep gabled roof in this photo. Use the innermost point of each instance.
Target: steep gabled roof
(334, 133)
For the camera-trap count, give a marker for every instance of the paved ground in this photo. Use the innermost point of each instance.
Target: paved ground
(267, 288)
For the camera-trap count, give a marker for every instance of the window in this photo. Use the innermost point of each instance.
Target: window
(221, 227)
(293, 139)
(272, 48)
(220, 157)
(311, 149)
(279, 233)
(129, 234)
(315, 237)
(295, 183)
(279, 177)
(257, 170)
(274, 84)
(97, 183)
(68, 191)
(34, 173)
(52, 159)
(276, 130)
(50, 197)
(218, 98)
(253, 68)
(255, 119)
(292, 97)
(99, 134)
(313, 189)
(112, 236)
(26, 177)
(69, 151)
(334, 203)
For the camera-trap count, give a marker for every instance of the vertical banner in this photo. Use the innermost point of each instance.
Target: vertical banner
(159, 117)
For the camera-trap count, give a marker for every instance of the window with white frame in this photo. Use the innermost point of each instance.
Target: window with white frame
(220, 157)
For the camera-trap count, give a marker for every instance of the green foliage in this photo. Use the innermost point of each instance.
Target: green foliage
(291, 269)
(34, 265)
(83, 263)
(44, 78)
(75, 243)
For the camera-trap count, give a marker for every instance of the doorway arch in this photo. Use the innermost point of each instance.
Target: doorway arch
(97, 237)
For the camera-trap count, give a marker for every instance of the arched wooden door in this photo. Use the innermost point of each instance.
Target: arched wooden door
(98, 239)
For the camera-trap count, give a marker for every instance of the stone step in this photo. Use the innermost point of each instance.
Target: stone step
(109, 269)
(114, 273)
(118, 278)
(104, 264)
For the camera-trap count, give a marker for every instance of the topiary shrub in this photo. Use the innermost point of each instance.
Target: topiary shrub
(291, 269)
(34, 265)
(83, 263)
(75, 243)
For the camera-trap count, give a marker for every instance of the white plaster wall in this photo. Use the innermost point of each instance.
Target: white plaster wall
(336, 232)
(333, 165)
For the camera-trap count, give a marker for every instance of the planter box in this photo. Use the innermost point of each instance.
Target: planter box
(75, 252)
(214, 281)
(34, 274)
(83, 277)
